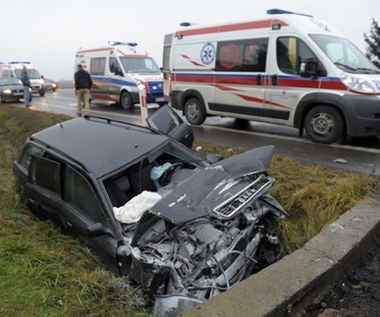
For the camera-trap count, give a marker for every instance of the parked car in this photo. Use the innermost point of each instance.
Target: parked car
(50, 85)
(184, 228)
(11, 89)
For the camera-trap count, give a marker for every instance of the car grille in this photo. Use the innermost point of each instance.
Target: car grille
(156, 88)
(236, 202)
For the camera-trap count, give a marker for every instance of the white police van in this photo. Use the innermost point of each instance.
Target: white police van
(117, 71)
(284, 68)
(14, 69)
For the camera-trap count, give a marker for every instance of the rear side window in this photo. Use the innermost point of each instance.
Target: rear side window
(27, 155)
(45, 173)
(97, 66)
(242, 56)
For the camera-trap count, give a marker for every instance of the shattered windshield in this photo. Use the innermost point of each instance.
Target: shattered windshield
(141, 64)
(344, 54)
(143, 175)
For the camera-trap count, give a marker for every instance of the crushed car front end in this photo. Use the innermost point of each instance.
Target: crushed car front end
(211, 228)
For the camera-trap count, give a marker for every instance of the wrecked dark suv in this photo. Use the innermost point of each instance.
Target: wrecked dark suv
(183, 228)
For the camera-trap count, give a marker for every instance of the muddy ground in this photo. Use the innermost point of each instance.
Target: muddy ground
(356, 293)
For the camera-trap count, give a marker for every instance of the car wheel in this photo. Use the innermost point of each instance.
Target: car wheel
(126, 101)
(42, 93)
(324, 124)
(195, 111)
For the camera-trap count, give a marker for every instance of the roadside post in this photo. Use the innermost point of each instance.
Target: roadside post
(143, 104)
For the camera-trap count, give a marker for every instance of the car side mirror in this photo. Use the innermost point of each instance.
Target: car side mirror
(312, 68)
(97, 230)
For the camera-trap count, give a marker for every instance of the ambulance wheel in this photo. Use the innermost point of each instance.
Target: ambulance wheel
(195, 112)
(324, 124)
(126, 101)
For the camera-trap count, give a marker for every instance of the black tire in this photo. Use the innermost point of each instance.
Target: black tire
(324, 124)
(42, 93)
(195, 111)
(126, 101)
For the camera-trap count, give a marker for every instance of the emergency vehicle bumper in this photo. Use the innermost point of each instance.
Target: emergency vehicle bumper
(363, 115)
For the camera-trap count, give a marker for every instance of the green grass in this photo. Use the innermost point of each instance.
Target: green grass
(46, 273)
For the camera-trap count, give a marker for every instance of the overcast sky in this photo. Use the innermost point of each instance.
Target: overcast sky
(48, 33)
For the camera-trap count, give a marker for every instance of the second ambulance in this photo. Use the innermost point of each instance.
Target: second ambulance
(117, 71)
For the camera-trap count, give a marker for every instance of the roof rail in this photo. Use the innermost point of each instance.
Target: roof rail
(110, 120)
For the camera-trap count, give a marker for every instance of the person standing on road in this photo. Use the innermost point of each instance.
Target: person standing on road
(83, 83)
(26, 83)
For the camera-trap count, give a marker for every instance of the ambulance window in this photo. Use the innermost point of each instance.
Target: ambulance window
(242, 56)
(290, 52)
(115, 66)
(97, 66)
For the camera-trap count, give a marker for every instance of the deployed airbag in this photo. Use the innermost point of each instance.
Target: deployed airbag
(132, 211)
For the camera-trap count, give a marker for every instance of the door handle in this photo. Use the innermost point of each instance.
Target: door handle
(258, 80)
(274, 80)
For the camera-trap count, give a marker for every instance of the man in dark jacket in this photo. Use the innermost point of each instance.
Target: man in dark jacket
(26, 83)
(83, 83)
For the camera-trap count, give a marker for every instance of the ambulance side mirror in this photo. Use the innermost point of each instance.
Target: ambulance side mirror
(312, 68)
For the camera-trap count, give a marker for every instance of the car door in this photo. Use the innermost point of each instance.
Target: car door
(86, 218)
(167, 121)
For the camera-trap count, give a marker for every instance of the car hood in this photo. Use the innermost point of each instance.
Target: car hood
(12, 87)
(205, 190)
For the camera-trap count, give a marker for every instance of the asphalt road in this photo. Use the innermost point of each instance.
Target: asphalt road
(357, 155)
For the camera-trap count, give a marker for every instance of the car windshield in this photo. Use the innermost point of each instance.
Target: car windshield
(344, 54)
(9, 81)
(133, 64)
(139, 177)
(33, 73)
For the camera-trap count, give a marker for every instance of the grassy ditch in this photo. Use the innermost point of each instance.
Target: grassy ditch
(46, 273)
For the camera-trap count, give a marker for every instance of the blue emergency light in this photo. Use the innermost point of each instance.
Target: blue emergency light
(13, 62)
(185, 24)
(114, 43)
(280, 11)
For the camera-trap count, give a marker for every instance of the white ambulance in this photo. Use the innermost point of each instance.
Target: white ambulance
(118, 69)
(284, 68)
(14, 69)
